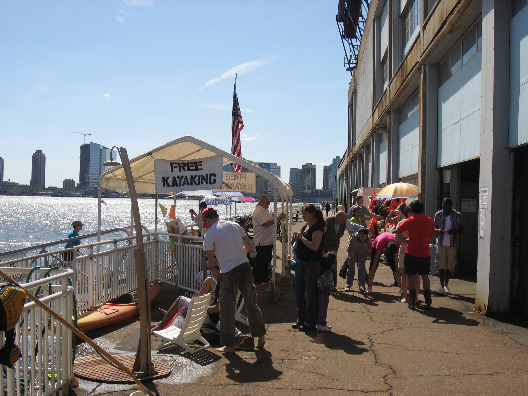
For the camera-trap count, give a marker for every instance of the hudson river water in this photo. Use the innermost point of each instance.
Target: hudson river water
(27, 221)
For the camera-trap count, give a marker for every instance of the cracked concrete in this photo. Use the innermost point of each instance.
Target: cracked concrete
(377, 346)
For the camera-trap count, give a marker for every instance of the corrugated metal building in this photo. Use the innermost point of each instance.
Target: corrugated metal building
(439, 97)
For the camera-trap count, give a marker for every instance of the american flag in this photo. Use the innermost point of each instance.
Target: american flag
(236, 126)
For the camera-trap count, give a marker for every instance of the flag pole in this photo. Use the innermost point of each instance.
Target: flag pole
(236, 126)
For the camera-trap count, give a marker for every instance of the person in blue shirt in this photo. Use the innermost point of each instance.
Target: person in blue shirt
(77, 226)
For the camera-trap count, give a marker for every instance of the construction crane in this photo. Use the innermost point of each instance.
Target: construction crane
(82, 133)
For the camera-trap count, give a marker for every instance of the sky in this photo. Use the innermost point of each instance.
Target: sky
(140, 73)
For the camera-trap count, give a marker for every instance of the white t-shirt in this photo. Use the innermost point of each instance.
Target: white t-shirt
(447, 238)
(262, 236)
(225, 238)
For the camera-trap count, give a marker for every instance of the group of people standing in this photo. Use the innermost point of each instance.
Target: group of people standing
(407, 250)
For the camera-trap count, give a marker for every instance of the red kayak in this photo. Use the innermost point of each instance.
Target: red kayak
(113, 312)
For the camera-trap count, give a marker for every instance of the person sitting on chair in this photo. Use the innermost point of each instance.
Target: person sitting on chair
(208, 285)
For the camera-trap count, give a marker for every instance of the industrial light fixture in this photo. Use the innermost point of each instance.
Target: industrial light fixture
(112, 162)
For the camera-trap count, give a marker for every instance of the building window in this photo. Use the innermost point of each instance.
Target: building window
(429, 4)
(411, 23)
(518, 5)
(461, 52)
(385, 66)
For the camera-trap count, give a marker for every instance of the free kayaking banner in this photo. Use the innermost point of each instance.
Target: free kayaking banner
(244, 182)
(176, 176)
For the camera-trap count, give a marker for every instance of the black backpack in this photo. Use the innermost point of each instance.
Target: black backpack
(11, 305)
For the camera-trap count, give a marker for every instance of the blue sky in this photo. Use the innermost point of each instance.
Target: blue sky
(140, 73)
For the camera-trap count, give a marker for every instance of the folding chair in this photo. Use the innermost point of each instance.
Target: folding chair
(239, 317)
(190, 330)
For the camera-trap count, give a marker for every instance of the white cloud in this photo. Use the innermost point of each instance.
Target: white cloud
(106, 95)
(139, 3)
(240, 69)
(123, 13)
(244, 137)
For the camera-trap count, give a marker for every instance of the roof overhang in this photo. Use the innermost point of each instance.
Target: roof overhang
(186, 148)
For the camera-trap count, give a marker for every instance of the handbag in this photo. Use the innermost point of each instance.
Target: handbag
(343, 270)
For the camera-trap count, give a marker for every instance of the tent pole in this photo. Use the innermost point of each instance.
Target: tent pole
(274, 265)
(156, 213)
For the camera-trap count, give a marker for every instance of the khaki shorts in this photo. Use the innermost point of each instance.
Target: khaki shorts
(446, 257)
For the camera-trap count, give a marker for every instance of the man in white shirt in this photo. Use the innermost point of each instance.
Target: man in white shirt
(447, 224)
(229, 243)
(197, 218)
(263, 234)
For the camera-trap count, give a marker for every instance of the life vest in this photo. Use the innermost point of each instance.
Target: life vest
(11, 305)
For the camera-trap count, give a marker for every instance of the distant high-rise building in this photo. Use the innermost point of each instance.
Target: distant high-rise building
(327, 177)
(333, 184)
(68, 184)
(296, 180)
(309, 181)
(263, 185)
(38, 170)
(91, 164)
(1, 170)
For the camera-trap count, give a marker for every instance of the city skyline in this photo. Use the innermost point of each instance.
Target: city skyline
(90, 170)
(136, 74)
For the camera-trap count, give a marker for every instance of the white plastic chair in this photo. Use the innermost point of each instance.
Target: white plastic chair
(239, 317)
(190, 329)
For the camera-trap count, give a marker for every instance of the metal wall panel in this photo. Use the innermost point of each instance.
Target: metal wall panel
(381, 141)
(519, 79)
(409, 138)
(365, 85)
(459, 101)
(384, 39)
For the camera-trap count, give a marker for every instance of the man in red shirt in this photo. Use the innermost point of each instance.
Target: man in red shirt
(421, 229)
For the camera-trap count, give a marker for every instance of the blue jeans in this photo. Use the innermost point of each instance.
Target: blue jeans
(351, 273)
(304, 283)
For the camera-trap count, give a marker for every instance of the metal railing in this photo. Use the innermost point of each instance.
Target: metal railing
(107, 270)
(46, 363)
(59, 245)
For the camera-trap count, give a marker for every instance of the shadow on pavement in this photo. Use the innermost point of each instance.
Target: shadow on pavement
(372, 299)
(333, 340)
(261, 370)
(444, 315)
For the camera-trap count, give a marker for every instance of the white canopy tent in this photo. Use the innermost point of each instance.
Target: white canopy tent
(188, 148)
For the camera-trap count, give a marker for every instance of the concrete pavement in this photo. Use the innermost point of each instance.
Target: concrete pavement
(377, 346)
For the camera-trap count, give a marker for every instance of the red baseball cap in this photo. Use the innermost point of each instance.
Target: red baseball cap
(209, 212)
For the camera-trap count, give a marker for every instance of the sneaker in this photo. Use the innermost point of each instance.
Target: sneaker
(347, 288)
(362, 289)
(442, 290)
(369, 289)
(446, 290)
(403, 300)
(323, 328)
(297, 325)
